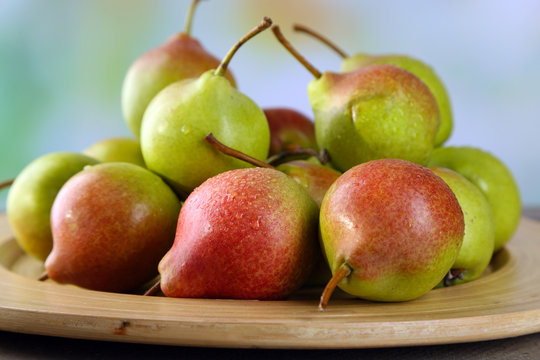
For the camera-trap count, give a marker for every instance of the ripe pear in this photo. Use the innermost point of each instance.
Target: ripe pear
(243, 234)
(289, 130)
(315, 178)
(117, 149)
(493, 178)
(379, 111)
(180, 57)
(419, 68)
(478, 241)
(390, 229)
(31, 197)
(181, 115)
(111, 225)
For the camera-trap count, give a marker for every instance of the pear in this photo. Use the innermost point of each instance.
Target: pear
(31, 197)
(478, 241)
(391, 230)
(180, 57)
(493, 178)
(116, 149)
(181, 115)
(289, 130)
(243, 234)
(419, 68)
(111, 225)
(379, 111)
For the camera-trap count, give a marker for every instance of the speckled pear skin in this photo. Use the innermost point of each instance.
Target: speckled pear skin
(180, 116)
(396, 224)
(243, 234)
(180, 57)
(478, 241)
(424, 72)
(112, 223)
(380, 111)
(493, 178)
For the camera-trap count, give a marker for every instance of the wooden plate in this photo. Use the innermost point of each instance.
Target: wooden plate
(505, 302)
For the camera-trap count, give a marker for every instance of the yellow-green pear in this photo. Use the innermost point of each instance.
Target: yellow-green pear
(116, 149)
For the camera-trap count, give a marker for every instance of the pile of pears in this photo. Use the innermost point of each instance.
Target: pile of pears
(216, 197)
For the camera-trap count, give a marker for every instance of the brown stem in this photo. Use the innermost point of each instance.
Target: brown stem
(321, 38)
(342, 272)
(211, 139)
(313, 70)
(6, 183)
(282, 157)
(43, 276)
(189, 17)
(263, 25)
(154, 289)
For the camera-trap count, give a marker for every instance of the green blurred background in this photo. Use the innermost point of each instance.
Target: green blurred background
(62, 64)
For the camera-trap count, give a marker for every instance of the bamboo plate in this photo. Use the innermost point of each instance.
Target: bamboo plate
(504, 302)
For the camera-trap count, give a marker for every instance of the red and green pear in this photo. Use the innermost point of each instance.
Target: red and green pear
(493, 178)
(180, 57)
(289, 130)
(111, 223)
(243, 234)
(116, 149)
(419, 68)
(31, 197)
(391, 230)
(379, 111)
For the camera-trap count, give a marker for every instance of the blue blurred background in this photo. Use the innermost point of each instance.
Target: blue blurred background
(62, 64)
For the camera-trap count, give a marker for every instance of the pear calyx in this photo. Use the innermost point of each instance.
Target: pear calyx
(263, 25)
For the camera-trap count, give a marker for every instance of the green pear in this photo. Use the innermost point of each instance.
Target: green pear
(111, 223)
(117, 149)
(32, 195)
(419, 68)
(390, 229)
(479, 239)
(379, 111)
(180, 57)
(493, 178)
(178, 118)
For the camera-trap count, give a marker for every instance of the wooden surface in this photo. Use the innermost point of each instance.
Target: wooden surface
(504, 303)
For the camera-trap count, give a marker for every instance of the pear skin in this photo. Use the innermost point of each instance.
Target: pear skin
(420, 69)
(380, 111)
(289, 129)
(493, 178)
(479, 239)
(117, 149)
(243, 234)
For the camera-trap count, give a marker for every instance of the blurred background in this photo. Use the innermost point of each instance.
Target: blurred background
(62, 64)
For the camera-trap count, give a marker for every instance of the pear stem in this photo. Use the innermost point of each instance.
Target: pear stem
(154, 289)
(342, 272)
(279, 35)
(6, 183)
(280, 158)
(189, 17)
(43, 276)
(211, 139)
(321, 38)
(264, 24)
